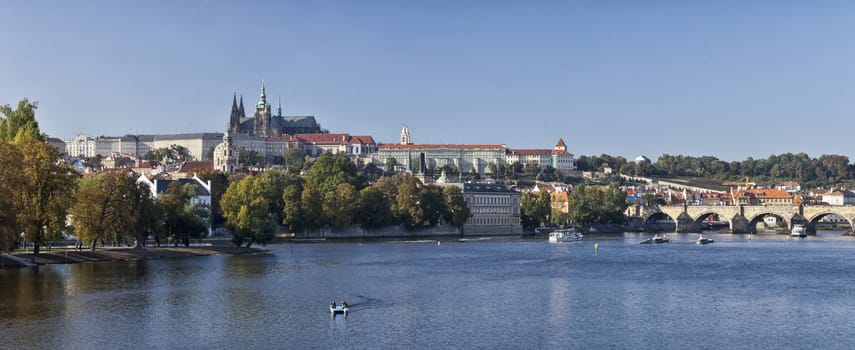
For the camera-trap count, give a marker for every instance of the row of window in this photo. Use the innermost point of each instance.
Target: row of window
(494, 221)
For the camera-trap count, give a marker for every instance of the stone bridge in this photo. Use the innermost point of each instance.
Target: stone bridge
(743, 218)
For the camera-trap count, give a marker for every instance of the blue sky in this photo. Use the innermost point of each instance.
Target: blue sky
(726, 78)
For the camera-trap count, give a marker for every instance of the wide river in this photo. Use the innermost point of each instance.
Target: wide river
(767, 292)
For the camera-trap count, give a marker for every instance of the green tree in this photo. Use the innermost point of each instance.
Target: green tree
(295, 160)
(20, 124)
(374, 209)
(329, 171)
(98, 211)
(113, 207)
(339, 206)
(292, 212)
(183, 219)
(390, 164)
(409, 211)
(11, 181)
(535, 209)
(247, 212)
(432, 203)
(311, 208)
(273, 183)
(458, 212)
(46, 194)
(249, 158)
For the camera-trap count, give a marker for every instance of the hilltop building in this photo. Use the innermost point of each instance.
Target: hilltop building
(264, 123)
(558, 157)
(470, 157)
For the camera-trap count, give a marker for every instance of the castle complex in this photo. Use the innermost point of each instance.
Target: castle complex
(271, 134)
(264, 124)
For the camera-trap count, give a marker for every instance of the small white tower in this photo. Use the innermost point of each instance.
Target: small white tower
(405, 136)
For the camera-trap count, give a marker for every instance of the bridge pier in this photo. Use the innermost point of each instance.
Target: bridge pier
(686, 224)
(739, 224)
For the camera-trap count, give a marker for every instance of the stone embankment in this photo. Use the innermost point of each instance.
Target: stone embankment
(117, 254)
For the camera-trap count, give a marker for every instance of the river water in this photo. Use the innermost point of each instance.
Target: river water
(766, 292)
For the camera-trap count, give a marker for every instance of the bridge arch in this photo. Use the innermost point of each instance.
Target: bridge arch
(660, 221)
(760, 217)
(812, 222)
(703, 216)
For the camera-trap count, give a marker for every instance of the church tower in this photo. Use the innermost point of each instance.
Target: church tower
(263, 116)
(225, 157)
(405, 136)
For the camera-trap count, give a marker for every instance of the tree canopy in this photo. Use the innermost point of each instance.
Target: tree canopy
(19, 124)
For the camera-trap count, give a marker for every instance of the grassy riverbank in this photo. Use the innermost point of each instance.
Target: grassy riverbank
(118, 254)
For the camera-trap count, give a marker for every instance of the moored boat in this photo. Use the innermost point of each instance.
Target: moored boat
(656, 239)
(703, 240)
(798, 230)
(565, 235)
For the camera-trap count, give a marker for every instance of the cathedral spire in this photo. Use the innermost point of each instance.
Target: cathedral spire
(279, 109)
(241, 113)
(262, 100)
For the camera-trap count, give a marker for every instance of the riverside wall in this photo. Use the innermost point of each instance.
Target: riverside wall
(405, 232)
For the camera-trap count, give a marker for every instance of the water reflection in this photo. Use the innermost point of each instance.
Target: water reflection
(31, 293)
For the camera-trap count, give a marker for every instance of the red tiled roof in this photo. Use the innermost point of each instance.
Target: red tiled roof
(530, 152)
(364, 139)
(332, 139)
(438, 146)
(560, 143)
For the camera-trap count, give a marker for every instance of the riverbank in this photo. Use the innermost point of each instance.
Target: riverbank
(118, 254)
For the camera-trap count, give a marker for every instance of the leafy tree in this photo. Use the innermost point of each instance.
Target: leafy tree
(11, 181)
(432, 204)
(591, 205)
(148, 217)
(172, 154)
(248, 215)
(390, 164)
(409, 211)
(295, 160)
(535, 209)
(371, 173)
(20, 124)
(311, 208)
(248, 158)
(516, 169)
(219, 184)
(114, 207)
(329, 171)
(458, 212)
(46, 194)
(374, 209)
(339, 206)
(183, 219)
(531, 169)
(292, 213)
(273, 183)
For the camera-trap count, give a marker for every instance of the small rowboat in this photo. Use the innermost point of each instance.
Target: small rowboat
(338, 309)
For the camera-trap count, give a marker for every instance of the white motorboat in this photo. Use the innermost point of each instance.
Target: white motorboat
(703, 240)
(565, 235)
(798, 230)
(656, 239)
(338, 309)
